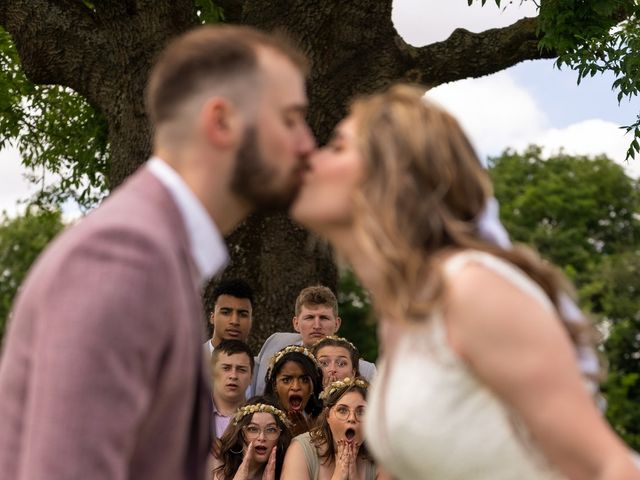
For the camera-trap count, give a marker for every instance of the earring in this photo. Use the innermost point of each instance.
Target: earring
(236, 453)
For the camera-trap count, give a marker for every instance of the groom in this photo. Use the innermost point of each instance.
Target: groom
(101, 375)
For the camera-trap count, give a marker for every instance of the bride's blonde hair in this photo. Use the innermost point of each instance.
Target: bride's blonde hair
(424, 188)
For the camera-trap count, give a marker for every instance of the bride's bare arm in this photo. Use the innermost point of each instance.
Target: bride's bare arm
(519, 348)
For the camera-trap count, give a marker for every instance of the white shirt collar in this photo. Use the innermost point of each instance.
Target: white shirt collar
(207, 245)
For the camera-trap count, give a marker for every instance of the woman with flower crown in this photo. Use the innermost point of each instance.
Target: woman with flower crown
(338, 358)
(294, 380)
(335, 448)
(481, 374)
(254, 444)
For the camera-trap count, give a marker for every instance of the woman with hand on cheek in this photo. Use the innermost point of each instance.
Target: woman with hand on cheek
(253, 445)
(334, 449)
(338, 358)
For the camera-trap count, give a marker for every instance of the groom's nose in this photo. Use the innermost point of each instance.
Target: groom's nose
(307, 141)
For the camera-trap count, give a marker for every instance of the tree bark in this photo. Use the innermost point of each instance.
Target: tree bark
(104, 53)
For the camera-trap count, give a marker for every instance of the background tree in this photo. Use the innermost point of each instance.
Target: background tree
(356, 312)
(576, 210)
(584, 215)
(21, 241)
(103, 51)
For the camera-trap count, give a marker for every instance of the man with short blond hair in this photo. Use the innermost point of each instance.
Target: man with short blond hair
(102, 373)
(316, 317)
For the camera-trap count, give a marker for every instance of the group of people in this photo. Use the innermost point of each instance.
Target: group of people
(309, 386)
(486, 361)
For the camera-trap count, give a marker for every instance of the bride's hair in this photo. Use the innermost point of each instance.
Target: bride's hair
(423, 191)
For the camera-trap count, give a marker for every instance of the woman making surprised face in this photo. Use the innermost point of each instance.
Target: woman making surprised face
(294, 379)
(334, 449)
(253, 445)
(338, 358)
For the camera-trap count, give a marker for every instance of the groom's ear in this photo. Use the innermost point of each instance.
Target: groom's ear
(221, 123)
(338, 323)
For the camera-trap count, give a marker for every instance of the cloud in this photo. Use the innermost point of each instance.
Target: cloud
(421, 22)
(494, 110)
(590, 137)
(498, 113)
(16, 188)
(14, 185)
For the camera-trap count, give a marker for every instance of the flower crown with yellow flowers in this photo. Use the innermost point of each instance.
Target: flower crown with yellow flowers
(291, 348)
(337, 339)
(259, 407)
(344, 383)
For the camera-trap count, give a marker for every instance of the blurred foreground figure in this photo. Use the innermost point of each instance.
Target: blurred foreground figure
(102, 374)
(479, 376)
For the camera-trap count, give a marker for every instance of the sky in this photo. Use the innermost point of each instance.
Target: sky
(530, 103)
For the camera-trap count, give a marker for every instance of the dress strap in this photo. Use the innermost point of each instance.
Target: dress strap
(503, 268)
(310, 455)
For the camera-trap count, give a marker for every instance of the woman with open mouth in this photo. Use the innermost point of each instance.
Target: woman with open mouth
(338, 358)
(294, 379)
(335, 448)
(253, 445)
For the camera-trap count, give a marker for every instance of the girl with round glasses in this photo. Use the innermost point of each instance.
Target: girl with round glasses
(338, 358)
(253, 445)
(335, 448)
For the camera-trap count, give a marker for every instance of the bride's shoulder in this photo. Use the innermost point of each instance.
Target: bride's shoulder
(484, 276)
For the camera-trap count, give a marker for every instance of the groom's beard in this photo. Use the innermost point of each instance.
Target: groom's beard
(256, 181)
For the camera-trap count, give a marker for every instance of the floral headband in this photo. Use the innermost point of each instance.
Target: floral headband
(337, 339)
(344, 383)
(290, 349)
(259, 407)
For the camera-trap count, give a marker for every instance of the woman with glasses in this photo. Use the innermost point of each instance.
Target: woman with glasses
(335, 448)
(338, 358)
(294, 379)
(253, 445)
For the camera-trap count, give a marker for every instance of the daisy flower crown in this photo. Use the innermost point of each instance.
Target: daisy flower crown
(337, 339)
(344, 383)
(259, 407)
(291, 348)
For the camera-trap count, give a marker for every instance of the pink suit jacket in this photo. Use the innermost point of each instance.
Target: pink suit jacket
(102, 373)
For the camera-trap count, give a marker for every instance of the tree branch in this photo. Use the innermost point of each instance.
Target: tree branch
(465, 54)
(53, 38)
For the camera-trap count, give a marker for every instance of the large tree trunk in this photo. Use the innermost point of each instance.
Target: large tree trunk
(105, 53)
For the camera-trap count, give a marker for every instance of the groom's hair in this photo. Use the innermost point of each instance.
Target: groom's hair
(220, 59)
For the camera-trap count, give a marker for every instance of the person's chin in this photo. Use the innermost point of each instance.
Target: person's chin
(302, 212)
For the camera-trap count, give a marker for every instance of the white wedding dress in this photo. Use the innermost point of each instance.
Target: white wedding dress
(429, 418)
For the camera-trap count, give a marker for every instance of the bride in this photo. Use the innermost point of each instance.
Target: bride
(398, 191)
